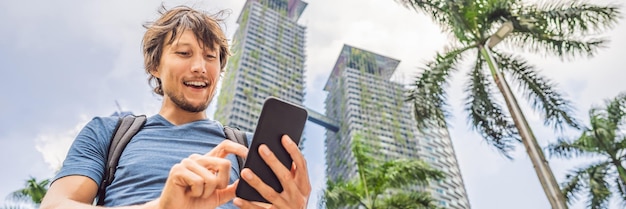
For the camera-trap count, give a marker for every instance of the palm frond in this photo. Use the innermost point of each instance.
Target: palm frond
(565, 149)
(574, 17)
(362, 154)
(610, 121)
(437, 10)
(366, 168)
(492, 12)
(34, 191)
(542, 93)
(561, 28)
(19, 196)
(598, 188)
(604, 134)
(593, 178)
(616, 109)
(376, 179)
(602, 138)
(549, 43)
(572, 186)
(486, 115)
(596, 140)
(341, 194)
(428, 95)
(467, 21)
(402, 172)
(621, 145)
(408, 200)
(621, 189)
(464, 17)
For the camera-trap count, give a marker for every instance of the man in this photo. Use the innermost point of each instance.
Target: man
(179, 159)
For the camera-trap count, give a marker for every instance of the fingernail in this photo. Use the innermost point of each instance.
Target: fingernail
(264, 150)
(237, 202)
(246, 175)
(286, 138)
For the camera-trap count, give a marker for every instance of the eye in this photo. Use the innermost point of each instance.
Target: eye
(183, 53)
(210, 56)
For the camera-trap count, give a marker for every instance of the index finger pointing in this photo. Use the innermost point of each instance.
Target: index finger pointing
(228, 147)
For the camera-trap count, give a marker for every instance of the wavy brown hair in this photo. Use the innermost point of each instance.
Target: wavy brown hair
(172, 23)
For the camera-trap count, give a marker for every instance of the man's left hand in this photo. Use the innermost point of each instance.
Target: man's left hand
(295, 182)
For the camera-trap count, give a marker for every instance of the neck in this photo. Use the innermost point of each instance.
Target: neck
(177, 116)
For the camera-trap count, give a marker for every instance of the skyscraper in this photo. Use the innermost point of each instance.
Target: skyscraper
(268, 60)
(364, 101)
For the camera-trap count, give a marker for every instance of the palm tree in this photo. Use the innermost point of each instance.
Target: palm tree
(605, 139)
(381, 184)
(34, 191)
(563, 29)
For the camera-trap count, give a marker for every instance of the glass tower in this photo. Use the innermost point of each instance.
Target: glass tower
(364, 101)
(268, 60)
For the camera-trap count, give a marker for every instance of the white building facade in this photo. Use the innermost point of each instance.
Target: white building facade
(268, 60)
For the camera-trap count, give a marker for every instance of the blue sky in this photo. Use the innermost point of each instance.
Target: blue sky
(65, 61)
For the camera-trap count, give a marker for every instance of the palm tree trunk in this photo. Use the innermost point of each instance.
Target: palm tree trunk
(546, 177)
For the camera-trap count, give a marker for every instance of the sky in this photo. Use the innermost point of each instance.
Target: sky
(64, 62)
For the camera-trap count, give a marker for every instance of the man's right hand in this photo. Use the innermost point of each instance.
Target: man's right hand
(201, 181)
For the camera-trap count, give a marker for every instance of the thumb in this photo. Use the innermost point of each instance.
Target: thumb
(227, 194)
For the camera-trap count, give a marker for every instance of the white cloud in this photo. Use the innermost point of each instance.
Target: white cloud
(54, 144)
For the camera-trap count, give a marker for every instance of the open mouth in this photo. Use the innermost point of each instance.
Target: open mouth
(196, 84)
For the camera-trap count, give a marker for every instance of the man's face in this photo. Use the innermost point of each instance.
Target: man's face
(189, 72)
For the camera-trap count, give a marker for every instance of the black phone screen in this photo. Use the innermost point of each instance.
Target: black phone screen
(277, 118)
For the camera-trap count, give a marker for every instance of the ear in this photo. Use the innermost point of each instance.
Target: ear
(155, 73)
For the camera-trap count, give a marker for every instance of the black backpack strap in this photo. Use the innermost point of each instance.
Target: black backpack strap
(238, 136)
(127, 127)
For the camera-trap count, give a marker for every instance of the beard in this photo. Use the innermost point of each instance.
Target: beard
(180, 101)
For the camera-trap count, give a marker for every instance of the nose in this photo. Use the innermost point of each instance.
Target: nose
(198, 65)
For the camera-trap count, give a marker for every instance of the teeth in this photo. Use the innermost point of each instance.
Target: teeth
(195, 83)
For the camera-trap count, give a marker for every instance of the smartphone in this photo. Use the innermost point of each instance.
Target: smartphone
(278, 117)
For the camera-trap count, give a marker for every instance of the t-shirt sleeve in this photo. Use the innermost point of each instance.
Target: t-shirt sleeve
(88, 152)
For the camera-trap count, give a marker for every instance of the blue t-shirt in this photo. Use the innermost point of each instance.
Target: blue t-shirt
(147, 159)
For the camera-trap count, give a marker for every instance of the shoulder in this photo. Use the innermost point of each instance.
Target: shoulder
(100, 126)
(97, 132)
(88, 152)
(103, 122)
